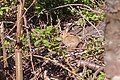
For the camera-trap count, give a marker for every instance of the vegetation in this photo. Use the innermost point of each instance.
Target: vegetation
(44, 54)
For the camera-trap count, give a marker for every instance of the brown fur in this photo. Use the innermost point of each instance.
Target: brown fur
(71, 41)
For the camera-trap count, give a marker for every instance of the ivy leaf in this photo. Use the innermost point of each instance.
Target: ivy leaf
(46, 43)
(58, 39)
(33, 36)
(39, 31)
(101, 76)
(37, 42)
(5, 8)
(1, 12)
(22, 37)
(6, 43)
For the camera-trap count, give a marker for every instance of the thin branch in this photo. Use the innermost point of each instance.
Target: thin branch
(10, 38)
(2, 43)
(96, 73)
(2, 1)
(29, 44)
(20, 18)
(7, 57)
(74, 5)
(80, 12)
(82, 64)
(7, 22)
(90, 65)
(77, 76)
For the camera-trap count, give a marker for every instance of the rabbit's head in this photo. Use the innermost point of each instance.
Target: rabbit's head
(64, 33)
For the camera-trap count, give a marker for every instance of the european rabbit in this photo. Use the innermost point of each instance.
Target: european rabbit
(69, 40)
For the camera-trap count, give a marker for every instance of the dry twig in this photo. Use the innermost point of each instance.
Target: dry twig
(2, 43)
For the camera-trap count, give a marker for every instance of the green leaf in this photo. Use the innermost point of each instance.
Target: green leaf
(101, 76)
(49, 29)
(58, 39)
(5, 8)
(39, 31)
(86, 1)
(1, 57)
(33, 36)
(37, 42)
(93, 1)
(46, 43)
(22, 37)
(6, 43)
(1, 12)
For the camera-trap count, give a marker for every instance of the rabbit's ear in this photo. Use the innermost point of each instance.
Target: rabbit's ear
(66, 30)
